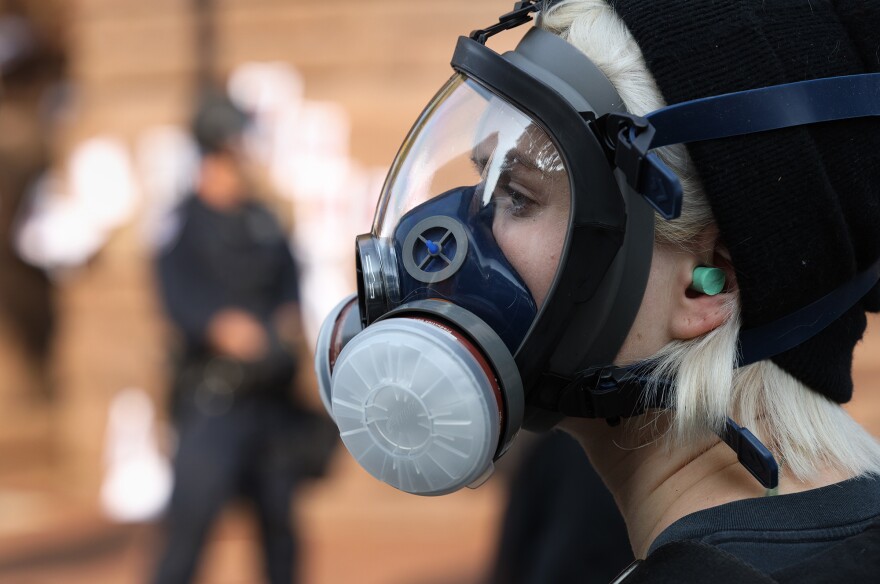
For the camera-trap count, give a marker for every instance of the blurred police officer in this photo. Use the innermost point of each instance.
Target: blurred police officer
(229, 285)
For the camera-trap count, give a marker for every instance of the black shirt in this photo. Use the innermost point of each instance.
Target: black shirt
(217, 260)
(224, 259)
(773, 533)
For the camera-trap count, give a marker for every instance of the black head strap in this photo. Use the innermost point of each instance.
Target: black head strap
(773, 338)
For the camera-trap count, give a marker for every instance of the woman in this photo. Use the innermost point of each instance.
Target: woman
(615, 324)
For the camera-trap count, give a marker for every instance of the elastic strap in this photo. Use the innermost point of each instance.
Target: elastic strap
(767, 108)
(773, 338)
(629, 139)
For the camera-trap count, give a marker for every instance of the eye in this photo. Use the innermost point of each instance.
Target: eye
(509, 199)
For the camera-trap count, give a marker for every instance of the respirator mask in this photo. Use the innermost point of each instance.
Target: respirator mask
(477, 257)
(506, 263)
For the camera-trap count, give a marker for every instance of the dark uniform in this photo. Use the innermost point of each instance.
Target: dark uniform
(233, 418)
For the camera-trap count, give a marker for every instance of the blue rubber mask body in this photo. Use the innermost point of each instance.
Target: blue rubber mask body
(481, 280)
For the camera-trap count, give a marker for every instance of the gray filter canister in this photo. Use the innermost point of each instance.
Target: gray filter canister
(416, 407)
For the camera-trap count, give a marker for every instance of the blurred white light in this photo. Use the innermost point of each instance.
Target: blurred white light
(266, 91)
(311, 158)
(57, 231)
(102, 182)
(167, 161)
(324, 234)
(137, 480)
(265, 87)
(67, 221)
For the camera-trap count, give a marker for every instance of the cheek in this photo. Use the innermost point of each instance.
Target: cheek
(533, 248)
(650, 331)
(546, 261)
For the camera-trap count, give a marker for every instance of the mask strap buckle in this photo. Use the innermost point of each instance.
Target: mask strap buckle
(752, 454)
(602, 392)
(628, 139)
(520, 14)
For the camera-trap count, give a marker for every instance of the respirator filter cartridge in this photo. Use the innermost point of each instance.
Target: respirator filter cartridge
(417, 405)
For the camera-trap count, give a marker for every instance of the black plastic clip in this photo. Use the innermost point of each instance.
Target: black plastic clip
(602, 392)
(752, 454)
(580, 397)
(627, 139)
(520, 14)
(607, 396)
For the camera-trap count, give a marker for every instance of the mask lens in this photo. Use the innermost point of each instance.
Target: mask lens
(476, 207)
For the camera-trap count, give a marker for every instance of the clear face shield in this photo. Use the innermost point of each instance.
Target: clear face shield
(475, 172)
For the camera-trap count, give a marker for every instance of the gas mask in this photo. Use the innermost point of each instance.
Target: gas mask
(458, 282)
(507, 261)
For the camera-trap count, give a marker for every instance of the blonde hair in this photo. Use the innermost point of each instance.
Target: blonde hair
(806, 431)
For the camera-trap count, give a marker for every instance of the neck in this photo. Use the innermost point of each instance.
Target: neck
(655, 486)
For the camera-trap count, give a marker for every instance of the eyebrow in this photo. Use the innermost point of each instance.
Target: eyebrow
(520, 159)
(510, 162)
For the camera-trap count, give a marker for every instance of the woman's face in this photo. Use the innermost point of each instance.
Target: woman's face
(526, 182)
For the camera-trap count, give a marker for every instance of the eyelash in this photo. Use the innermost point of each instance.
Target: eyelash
(526, 204)
(521, 205)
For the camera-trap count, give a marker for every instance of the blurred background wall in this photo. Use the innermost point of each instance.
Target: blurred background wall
(91, 116)
(90, 121)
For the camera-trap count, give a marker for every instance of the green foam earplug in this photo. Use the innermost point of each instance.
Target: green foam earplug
(708, 280)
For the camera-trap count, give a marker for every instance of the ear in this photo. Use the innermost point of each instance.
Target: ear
(694, 314)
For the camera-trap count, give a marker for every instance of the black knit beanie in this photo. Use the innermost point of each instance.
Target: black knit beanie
(799, 208)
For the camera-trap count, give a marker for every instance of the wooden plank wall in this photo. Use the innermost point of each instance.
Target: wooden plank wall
(132, 67)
